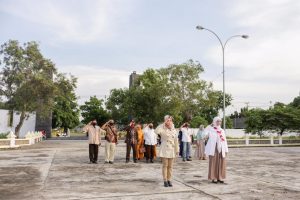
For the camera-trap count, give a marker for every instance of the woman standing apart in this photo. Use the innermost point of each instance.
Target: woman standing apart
(169, 148)
(216, 149)
(200, 145)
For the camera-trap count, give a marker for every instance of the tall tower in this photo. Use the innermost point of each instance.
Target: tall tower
(44, 120)
(132, 78)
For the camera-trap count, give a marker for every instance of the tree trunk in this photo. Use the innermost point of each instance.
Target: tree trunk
(281, 131)
(66, 130)
(20, 124)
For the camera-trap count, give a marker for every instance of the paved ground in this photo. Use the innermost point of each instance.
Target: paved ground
(60, 170)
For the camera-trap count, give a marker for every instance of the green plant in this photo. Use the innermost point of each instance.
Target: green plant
(3, 135)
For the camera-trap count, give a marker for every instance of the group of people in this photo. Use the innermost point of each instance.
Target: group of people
(142, 142)
(186, 139)
(210, 141)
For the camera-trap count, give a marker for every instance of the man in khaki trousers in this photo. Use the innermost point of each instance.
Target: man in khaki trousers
(111, 138)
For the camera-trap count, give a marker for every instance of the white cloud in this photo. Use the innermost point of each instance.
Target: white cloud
(267, 64)
(71, 21)
(96, 80)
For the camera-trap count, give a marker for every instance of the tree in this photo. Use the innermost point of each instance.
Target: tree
(280, 118)
(255, 121)
(117, 104)
(176, 90)
(296, 102)
(93, 109)
(197, 121)
(26, 79)
(229, 123)
(283, 117)
(65, 112)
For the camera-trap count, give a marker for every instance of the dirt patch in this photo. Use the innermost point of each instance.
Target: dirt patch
(18, 181)
(39, 155)
(8, 158)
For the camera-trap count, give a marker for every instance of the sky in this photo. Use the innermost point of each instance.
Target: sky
(102, 41)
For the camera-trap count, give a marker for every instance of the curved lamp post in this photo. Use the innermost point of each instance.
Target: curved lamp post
(223, 45)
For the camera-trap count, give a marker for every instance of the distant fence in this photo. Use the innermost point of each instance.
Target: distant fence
(265, 141)
(30, 139)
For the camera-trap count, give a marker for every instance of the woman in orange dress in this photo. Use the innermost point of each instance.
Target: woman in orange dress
(140, 144)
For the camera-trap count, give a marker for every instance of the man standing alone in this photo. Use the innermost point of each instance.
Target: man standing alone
(111, 138)
(94, 139)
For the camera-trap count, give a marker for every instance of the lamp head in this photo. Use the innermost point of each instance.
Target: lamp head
(199, 27)
(245, 36)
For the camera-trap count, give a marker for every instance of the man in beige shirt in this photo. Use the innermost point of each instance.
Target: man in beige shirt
(94, 139)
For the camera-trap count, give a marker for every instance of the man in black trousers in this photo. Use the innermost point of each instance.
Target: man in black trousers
(94, 138)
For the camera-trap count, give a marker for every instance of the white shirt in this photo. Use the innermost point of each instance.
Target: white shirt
(215, 140)
(150, 136)
(186, 134)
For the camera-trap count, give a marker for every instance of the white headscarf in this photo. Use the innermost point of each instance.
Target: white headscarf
(218, 127)
(215, 121)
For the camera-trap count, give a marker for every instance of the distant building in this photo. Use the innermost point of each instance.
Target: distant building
(239, 122)
(132, 78)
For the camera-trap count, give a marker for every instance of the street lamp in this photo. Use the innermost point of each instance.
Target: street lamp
(223, 45)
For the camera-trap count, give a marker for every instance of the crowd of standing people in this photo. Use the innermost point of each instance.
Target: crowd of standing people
(143, 140)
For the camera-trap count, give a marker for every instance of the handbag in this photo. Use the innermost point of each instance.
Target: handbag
(142, 149)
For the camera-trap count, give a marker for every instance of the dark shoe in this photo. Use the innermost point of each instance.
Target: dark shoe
(183, 160)
(166, 184)
(151, 161)
(170, 184)
(90, 162)
(111, 162)
(135, 161)
(189, 159)
(95, 162)
(220, 181)
(214, 181)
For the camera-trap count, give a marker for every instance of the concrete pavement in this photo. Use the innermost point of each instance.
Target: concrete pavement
(60, 170)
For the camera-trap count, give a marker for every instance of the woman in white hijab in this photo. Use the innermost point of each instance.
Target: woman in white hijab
(216, 149)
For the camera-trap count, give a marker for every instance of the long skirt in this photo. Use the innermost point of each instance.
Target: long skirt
(139, 153)
(217, 166)
(199, 152)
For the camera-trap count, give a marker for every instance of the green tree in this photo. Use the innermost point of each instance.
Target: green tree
(117, 105)
(256, 121)
(176, 90)
(65, 112)
(296, 102)
(229, 123)
(93, 109)
(197, 121)
(25, 78)
(282, 118)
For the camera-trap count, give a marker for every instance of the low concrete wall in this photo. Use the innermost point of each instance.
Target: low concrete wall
(28, 125)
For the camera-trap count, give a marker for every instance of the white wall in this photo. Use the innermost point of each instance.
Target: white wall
(28, 125)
